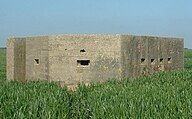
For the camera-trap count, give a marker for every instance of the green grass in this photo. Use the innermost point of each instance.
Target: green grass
(162, 95)
(188, 58)
(2, 64)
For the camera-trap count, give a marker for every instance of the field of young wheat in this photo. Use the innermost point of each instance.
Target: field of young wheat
(162, 95)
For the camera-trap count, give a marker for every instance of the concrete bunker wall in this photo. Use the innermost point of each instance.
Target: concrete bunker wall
(22, 56)
(16, 59)
(90, 58)
(37, 61)
(142, 55)
(93, 58)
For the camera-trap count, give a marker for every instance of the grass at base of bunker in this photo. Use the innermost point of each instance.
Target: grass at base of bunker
(162, 95)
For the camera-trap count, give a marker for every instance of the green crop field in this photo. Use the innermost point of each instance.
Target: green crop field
(162, 95)
(188, 58)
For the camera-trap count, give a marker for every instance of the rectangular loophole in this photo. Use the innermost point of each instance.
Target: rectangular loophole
(161, 60)
(83, 62)
(37, 61)
(169, 60)
(83, 50)
(142, 60)
(152, 61)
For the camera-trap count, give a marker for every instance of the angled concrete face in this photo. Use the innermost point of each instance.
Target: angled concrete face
(10, 59)
(142, 55)
(16, 59)
(71, 59)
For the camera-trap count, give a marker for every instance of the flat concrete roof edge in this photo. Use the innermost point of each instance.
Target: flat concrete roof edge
(155, 36)
(75, 35)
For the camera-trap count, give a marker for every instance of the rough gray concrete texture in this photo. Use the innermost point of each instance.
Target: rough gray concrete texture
(72, 59)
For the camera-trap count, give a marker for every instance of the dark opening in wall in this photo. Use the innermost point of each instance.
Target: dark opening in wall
(152, 61)
(36, 61)
(169, 60)
(83, 62)
(161, 60)
(142, 60)
(82, 50)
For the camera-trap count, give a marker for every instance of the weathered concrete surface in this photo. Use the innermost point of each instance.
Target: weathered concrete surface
(37, 49)
(158, 54)
(10, 59)
(71, 59)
